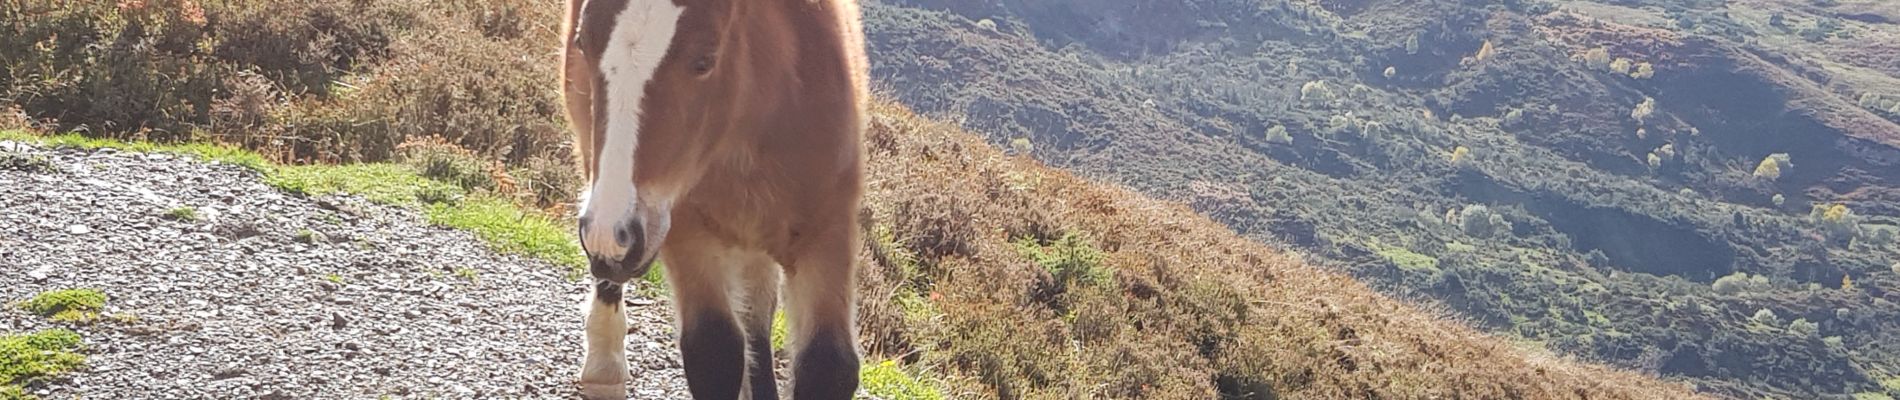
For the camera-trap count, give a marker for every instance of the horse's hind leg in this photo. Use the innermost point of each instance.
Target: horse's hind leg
(820, 307)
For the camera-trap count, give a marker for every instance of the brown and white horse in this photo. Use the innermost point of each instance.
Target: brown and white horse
(723, 137)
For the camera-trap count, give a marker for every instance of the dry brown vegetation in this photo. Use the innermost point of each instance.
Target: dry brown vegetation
(1192, 310)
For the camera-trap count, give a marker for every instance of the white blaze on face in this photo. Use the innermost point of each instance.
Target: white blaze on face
(640, 37)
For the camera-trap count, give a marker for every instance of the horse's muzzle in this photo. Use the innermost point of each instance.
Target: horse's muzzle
(633, 262)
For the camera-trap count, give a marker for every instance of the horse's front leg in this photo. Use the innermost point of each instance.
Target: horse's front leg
(604, 373)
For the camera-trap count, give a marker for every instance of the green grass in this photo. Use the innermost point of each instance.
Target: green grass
(509, 229)
(1409, 260)
(184, 213)
(1070, 258)
(503, 225)
(307, 236)
(889, 381)
(28, 358)
(68, 305)
(393, 184)
(210, 152)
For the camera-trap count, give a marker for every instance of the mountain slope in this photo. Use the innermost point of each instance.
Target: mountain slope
(1036, 283)
(1510, 160)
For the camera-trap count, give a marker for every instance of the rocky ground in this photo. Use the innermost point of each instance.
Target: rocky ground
(269, 295)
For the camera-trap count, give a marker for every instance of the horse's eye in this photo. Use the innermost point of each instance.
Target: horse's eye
(703, 65)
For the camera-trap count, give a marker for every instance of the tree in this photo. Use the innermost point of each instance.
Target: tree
(1597, 58)
(1739, 283)
(1316, 91)
(1459, 155)
(1803, 329)
(1486, 51)
(1778, 199)
(1655, 161)
(1769, 169)
(1277, 134)
(1765, 317)
(1621, 66)
(1644, 110)
(1644, 71)
(1022, 145)
(1478, 221)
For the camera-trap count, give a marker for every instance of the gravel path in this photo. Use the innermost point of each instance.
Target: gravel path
(245, 303)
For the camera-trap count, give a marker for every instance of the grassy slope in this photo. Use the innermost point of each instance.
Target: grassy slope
(1553, 151)
(959, 284)
(1193, 310)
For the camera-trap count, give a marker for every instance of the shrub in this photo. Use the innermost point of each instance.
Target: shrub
(1643, 71)
(1478, 221)
(1339, 124)
(1278, 135)
(1801, 328)
(1486, 51)
(32, 357)
(1071, 260)
(1597, 58)
(1778, 199)
(1768, 169)
(1837, 221)
(1765, 317)
(1022, 146)
(156, 67)
(436, 158)
(1740, 283)
(1643, 110)
(1621, 66)
(69, 305)
(1882, 235)
(312, 81)
(1316, 91)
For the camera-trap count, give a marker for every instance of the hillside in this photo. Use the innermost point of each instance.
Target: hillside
(1043, 285)
(992, 275)
(1700, 189)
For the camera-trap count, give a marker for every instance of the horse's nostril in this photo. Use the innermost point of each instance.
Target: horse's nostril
(621, 236)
